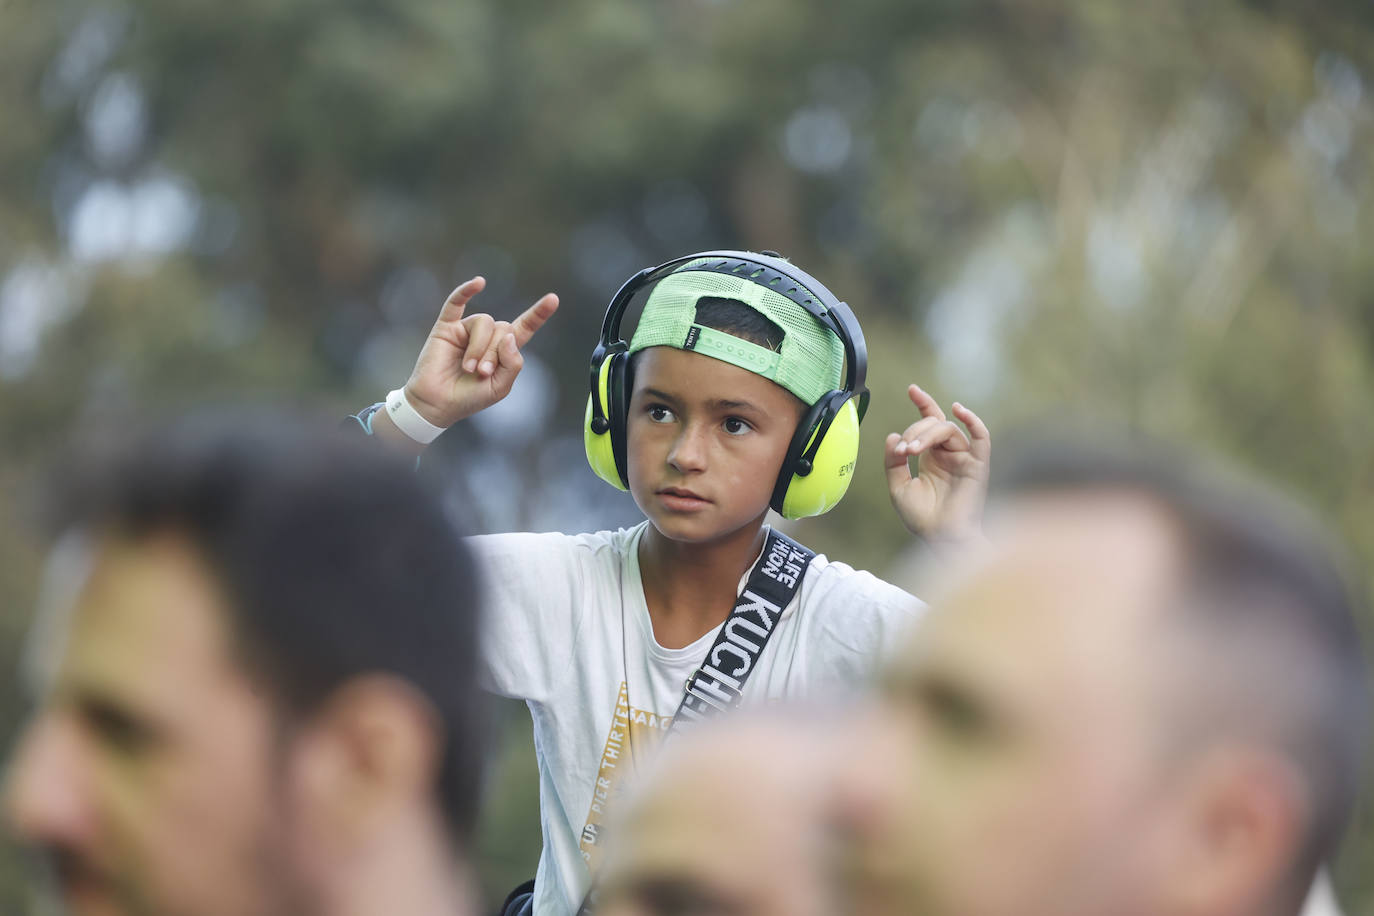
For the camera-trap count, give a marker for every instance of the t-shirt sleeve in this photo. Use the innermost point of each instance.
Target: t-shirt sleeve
(532, 613)
(862, 622)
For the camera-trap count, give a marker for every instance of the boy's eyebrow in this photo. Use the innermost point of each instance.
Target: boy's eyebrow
(716, 404)
(660, 395)
(725, 404)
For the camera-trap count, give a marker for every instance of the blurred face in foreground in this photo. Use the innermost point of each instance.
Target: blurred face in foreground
(730, 824)
(152, 773)
(1011, 766)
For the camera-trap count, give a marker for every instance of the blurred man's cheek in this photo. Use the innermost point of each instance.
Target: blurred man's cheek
(873, 767)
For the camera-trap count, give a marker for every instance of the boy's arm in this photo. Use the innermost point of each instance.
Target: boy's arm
(944, 502)
(535, 595)
(467, 363)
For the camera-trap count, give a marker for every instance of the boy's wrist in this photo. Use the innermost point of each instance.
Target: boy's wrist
(951, 544)
(400, 407)
(385, 429)
(428, 411)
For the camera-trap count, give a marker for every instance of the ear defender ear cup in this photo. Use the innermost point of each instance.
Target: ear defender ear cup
(603, 430)
(820, 461)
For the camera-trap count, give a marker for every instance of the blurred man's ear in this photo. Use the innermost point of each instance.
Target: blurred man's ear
(370, 753)
(1243, 823)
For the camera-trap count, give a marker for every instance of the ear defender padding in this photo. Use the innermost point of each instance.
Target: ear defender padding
(603, 429)
(820, 461)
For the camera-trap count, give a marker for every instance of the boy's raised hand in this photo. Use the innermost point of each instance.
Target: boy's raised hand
(943, 503)
(470, 362)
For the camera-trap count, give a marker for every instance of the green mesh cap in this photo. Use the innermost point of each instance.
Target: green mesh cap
(809, 363)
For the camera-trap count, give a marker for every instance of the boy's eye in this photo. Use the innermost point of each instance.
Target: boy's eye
(660, 414)
(736, 427)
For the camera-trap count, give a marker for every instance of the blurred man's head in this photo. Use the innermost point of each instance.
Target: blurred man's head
(1147, 697)
(730, 821)
(257, 658)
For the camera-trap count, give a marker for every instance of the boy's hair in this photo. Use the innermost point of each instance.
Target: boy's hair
(737, 318)
(334, 560)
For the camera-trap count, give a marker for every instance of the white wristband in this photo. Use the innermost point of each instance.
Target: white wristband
(408, 420)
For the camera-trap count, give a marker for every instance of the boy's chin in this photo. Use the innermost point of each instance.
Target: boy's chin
(699, 530)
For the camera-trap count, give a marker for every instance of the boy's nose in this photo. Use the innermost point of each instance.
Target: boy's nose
(689, 450)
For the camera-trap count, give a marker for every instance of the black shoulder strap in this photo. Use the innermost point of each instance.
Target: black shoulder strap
(773, 582)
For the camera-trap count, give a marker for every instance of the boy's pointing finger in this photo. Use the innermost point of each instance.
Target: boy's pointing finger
(924, 402)
(947, 436)
(895, 464)
(933, 434)
(457, 300)
(509, 361)
(533, 318)
(918, 434)
(977, 430)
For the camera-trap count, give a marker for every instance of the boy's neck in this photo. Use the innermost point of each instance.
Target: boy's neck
(690, 589)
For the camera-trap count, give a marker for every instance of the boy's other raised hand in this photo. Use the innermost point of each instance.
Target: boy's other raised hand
(943, 502)
(469, 362)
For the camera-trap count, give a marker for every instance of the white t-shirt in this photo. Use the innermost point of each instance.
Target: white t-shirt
(568, 631)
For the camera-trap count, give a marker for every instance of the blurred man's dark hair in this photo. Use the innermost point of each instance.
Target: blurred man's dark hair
(335, 559)
(1265, 613)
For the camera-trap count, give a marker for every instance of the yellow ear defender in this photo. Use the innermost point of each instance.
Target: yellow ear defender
(830, 436)
(603, 427)
(820, 459)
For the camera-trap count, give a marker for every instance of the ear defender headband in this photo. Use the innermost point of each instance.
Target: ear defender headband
(820, 459)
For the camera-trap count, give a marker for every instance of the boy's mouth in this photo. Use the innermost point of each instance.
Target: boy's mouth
(681, 498)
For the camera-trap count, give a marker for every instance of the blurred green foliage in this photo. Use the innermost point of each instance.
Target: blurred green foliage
(1146, 216)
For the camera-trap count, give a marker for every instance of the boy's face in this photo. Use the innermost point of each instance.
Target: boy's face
(705, 441)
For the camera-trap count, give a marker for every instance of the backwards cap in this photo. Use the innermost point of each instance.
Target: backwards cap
(809, 362)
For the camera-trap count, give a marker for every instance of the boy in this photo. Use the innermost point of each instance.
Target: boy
(598, 633)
